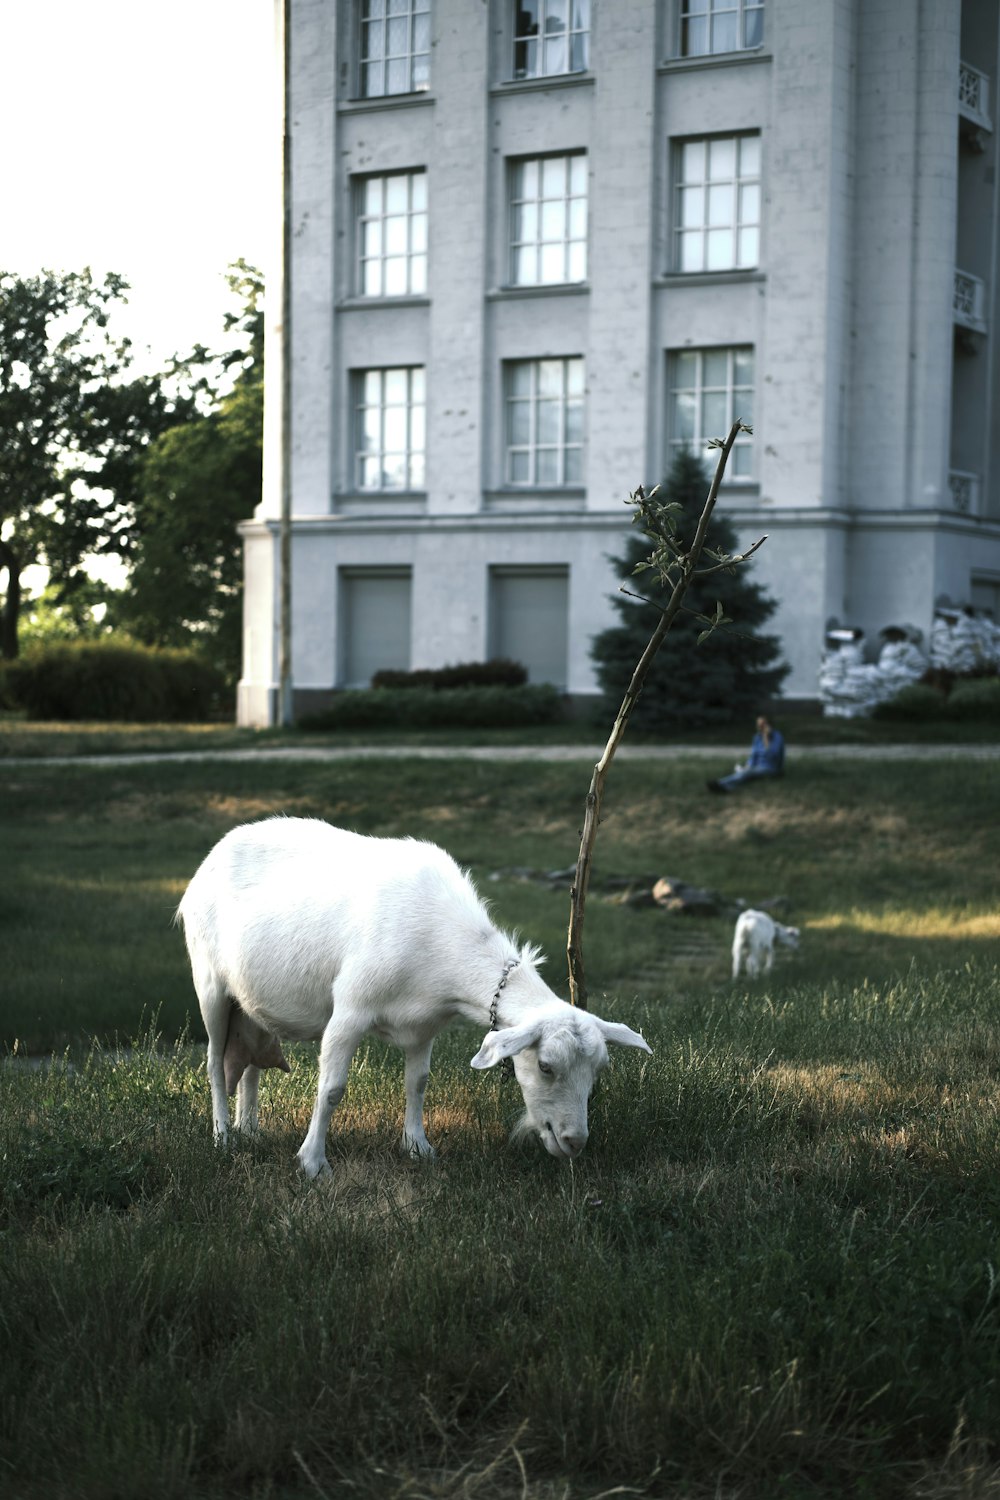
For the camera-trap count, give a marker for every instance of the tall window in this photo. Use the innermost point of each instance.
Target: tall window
(544, 436)
(548, 220)
(709, 390)
(718, 203)
(720, 26)
(550, 37)
(389, 434)
(392, 235)
(395, 49)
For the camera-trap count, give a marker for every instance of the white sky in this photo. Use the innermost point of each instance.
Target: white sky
(138, 136)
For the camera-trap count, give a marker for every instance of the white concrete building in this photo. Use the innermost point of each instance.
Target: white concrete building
(534, 244)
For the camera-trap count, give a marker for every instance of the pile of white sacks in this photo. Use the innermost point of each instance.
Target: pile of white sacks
(850, 687)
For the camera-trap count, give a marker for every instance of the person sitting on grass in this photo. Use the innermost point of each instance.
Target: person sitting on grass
(767, 758)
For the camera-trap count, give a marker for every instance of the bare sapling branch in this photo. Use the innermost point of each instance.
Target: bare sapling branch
(677, 566)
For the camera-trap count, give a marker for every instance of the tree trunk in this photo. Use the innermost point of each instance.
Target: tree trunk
(10, 611)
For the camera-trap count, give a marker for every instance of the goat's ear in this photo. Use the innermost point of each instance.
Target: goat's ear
(615, 1031)
(500, 1044)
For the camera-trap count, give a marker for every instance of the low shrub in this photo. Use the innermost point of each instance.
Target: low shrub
(427, 708)
(113, 680)
(497, 672)
(975, 698)
(917, 703)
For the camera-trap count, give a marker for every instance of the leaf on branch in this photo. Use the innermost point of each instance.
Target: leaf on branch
(719, 618)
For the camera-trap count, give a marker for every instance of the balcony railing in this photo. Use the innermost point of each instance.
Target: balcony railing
(964, 491)
(974, 96)
(969, 302)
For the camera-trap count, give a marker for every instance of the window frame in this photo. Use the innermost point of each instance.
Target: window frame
(580, 33)
(518, 198)
(376, 15)
(737, 182)
(739, 403)
(711, 11)
(565, 401)
(414, 452)
(411, 257)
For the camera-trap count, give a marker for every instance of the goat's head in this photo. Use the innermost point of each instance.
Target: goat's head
(787, 935)
(558, 1054)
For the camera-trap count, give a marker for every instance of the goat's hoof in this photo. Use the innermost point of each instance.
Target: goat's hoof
(417, 1150)
(311, 1167)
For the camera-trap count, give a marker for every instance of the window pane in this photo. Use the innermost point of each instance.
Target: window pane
(417, 430)
(371, 239)
(553, 263)
(692, 207)
(371, 8)
(718, 249)
(714, 422)
(527, 17)
(743, 367)
(577, 268)
(418, 234)
(692, 251)
(553, 220)
(395, 429)
(418, 275)
(578, 175)
(741, 458)
(685, 370)
(578, 52)
(550, 377)
(421, 33)
(417, 384)
(371, 473)
(579, 15)
(556, 16)
(394, 472)
(750, 204)
(395, 276)
(715, 368)
(418, 192)
(397, 79)
(549, 421)
(693, 161)
(421, 72)
(753, 28)
(526, 60)
(574, 377)
(720, 205)
(372, 388)
(574, 466)
(398, 33)
(721, 159)
(526, 266)
(371, 82)
(555, 55)
(519, 468)
(520, 379)
(371, 196)
(395, 236)
(574, 422)
(396, 195)
(724, 32)
(750, 156)
(371, 429)
(395, 387)
(694, 37)
(749, 252)
(683, 415)
(578, 219)
(547, 466)
(371, 41)
(416, 471)
(371, 285)
(397, 7)
(743, 406)
(526, 222)
(519, 423)
(554, 177)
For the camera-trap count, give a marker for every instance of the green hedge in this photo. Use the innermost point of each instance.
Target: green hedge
(975, 698)
(962, 698)
(113, 680)
(426, 708)
(497, 672)
(916, 703)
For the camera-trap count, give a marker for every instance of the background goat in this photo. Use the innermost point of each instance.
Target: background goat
(299, 930)
(754, 940)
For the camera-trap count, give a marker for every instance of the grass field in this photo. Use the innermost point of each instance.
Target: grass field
(772, 1273)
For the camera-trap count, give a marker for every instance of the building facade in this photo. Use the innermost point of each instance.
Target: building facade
(533, 246)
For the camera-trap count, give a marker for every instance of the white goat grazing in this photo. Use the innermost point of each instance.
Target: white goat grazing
(754, 940)
(299, 930)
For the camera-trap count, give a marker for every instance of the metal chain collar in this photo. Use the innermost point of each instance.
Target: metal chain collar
(507, 1066)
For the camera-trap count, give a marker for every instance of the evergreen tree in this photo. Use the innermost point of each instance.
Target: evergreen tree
(730, 673)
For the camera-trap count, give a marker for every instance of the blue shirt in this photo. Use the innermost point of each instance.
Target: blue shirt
(768, 759)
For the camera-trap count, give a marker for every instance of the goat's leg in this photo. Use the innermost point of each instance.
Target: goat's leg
(247, 1112)
(338, 1045)
(768, 960)
(418, 1062)
(215, 1004)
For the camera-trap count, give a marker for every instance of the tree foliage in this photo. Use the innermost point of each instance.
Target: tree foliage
(73, 422)
(713, 666)
(197, 482)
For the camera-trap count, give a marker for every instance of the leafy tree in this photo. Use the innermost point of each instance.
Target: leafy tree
(73, 422)
(198, 481)
(723, 677)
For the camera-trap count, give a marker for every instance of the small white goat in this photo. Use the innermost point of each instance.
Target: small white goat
(754, 940)
(299, 930)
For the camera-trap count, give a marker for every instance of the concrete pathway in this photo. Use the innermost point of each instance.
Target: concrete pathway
(588, 753)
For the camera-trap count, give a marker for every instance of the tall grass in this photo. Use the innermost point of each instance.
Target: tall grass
(772, 1273)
